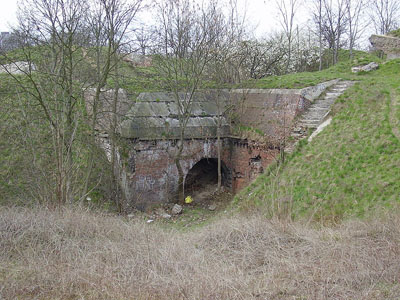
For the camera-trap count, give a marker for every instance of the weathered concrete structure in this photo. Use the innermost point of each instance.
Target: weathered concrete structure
(251, 124)
(273, 111)
(152, 128)
(388, 44)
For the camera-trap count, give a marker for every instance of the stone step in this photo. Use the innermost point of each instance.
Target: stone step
(326, 101)
(309, 124)
(327, 98)
(310, 120)
(338, 89)
(341, 86)
(314, 117)
(325, 106)
(298, 130)
(332, 94)
(317, 112)
(319, 108)
(322, 105)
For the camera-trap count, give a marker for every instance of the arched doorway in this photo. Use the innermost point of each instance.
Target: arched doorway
(204, 176)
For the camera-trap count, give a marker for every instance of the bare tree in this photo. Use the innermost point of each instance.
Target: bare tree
(53, 27)
(187, 37)
(144, 38)
(226, 64)
(307, 55)
(317, 13)
(109, 24)
(334, 25)
(384, 14)
(355, 21)
(232, 35)
(287, 11)
(68, 46)
(320, 32)
(336, 20)
(263, 58)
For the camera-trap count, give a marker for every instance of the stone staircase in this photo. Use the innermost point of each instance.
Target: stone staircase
(316, 114)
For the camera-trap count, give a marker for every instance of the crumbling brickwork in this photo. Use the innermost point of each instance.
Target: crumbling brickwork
(153, 176)
(247, 160)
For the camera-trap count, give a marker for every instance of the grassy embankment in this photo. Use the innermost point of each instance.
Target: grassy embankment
(351, 167)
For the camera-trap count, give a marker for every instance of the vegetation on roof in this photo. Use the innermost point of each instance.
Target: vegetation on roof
(395, 33)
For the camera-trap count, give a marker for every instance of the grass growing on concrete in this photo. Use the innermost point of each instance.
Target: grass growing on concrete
(395, 33)
(348, 169)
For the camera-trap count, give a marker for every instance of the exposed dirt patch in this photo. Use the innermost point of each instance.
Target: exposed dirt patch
(207, 203)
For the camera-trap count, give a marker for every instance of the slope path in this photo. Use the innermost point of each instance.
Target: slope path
(316, 114)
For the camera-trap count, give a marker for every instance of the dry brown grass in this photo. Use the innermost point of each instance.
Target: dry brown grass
(75, 254)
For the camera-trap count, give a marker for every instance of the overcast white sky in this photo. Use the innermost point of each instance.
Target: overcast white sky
(8, 10)
(259, 12)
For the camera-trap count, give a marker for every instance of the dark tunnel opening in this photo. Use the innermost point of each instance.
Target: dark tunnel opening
(204, 175)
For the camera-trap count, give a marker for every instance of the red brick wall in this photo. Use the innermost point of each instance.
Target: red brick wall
(154, 177)
(247, 161)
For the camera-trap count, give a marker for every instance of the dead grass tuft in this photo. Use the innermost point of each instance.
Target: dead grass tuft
(75, 254)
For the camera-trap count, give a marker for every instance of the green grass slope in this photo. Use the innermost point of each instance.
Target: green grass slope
(349, 168)
(306, 79)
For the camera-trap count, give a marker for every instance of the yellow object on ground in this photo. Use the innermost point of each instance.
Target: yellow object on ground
(188, 200)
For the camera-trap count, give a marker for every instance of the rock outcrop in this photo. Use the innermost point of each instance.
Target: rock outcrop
(367, 68)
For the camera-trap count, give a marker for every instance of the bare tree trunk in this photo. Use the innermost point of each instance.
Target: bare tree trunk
(283, 138)
(187, 39)
(219, 158)
(181, 175)
(287, 12)
(320, 33)
(113, 136)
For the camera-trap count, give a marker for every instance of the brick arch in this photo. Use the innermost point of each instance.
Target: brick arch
(206, 169)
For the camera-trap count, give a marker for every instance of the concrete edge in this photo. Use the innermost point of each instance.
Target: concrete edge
(313, 92)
